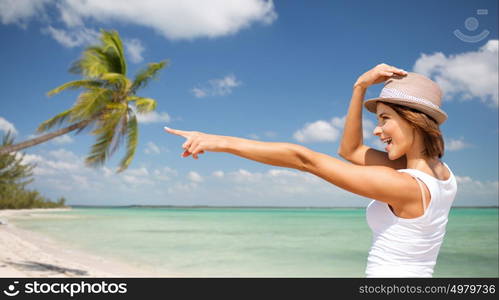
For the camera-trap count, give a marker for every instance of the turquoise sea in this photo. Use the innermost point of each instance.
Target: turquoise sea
(258, 242)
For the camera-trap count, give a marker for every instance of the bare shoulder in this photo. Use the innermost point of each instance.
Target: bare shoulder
(412, 207)
(442, 172)
(394, 187)
(367, 156)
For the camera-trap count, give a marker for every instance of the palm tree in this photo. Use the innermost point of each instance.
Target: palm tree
(106, 105)
(13, 172)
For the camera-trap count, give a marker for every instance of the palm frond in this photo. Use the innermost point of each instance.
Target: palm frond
(8, 138)
(90, 103)
(120, 81)
(93, 63)
(144, 105)
(13, 171)
(111, 43)
(99, 151)
(132, 139)
(107, 129)
(119, 134)
(57, 120)
(109, 119)
(145, 75)
(85, 83)
(107, 57)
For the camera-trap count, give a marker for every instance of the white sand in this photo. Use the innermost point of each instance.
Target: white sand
(29, 254)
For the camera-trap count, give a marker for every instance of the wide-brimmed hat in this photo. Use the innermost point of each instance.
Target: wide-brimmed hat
(412, 90)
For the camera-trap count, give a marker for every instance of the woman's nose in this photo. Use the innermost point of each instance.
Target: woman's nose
(377, 130)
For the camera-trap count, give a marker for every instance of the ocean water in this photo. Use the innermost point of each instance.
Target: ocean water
(258, 242)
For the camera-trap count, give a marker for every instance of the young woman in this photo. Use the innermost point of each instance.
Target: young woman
(412, 189)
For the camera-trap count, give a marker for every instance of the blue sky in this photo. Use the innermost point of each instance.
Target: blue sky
(272, 71)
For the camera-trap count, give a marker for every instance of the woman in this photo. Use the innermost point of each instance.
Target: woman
(412, 189)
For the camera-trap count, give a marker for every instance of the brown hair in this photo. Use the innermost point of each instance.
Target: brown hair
(433, 140)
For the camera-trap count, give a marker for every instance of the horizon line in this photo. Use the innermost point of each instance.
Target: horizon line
(239, 206)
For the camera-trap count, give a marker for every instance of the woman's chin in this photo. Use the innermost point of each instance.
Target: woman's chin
(392, 155)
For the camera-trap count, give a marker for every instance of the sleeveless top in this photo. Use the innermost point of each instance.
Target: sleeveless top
(409, 247)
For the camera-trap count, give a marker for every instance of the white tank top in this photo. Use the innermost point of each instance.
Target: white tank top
(409, 247)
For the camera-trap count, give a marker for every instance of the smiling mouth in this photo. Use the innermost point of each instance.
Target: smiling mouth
(388, 143)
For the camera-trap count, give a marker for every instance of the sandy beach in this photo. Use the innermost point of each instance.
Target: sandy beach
(28, 254)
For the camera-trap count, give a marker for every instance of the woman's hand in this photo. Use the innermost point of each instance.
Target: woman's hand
(378, 74)
(198, 142)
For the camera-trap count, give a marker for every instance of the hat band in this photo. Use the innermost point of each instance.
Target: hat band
(393, 93)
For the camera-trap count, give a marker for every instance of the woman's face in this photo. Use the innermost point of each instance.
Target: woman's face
(392, 126)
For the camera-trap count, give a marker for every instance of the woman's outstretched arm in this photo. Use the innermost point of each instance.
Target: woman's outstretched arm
(367, 181)
(277, 154)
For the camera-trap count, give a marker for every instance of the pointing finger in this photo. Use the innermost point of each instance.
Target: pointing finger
(177, 132)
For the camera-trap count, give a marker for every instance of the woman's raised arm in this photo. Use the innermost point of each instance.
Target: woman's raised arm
(352, 132)
(352, 139)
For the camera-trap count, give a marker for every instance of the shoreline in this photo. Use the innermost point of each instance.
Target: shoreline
(25, 253)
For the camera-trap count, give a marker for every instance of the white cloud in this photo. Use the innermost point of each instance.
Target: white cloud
(466, 75)
(243, 175)
(479, 191)
(60, 165)
(165, 174)
(136, 180)
(329, 131)
(73, 37)
(63, 139)
(455, 145)
(63, 154)
(281, 184)
(6, 126)
(63, 168)
(152, 148)
(199, 93)
(187, 19)
(140, 172)
(218, 174)
(20, 11)
(154, 117)
(30, 158)
(318, 131)
(134, 49)
(180, 188)
(217, 87)
(81, 181)
(194, 177)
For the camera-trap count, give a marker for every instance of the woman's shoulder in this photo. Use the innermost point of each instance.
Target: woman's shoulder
(441, 172)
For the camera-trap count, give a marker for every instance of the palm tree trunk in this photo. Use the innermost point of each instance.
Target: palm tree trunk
(43, 138)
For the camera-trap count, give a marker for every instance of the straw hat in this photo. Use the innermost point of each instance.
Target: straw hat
(412, 90)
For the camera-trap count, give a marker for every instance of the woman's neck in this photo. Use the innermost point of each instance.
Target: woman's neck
(422, 163)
